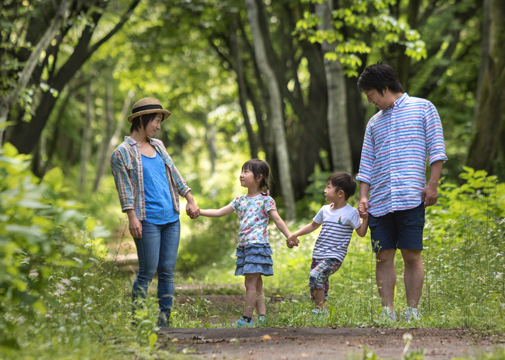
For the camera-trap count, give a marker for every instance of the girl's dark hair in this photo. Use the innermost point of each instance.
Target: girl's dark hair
(343, 181)
(259, 168)
(142, 121)
(378, 77)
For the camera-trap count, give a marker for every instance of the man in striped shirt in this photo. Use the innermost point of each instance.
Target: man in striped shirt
(398, 140)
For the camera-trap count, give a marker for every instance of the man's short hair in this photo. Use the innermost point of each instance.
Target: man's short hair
(378, 77)
(343, 181)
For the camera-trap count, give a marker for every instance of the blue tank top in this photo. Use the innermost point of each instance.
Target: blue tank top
(159, 203)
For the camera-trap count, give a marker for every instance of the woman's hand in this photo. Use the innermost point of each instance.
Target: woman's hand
(134, 225)
(192, 210)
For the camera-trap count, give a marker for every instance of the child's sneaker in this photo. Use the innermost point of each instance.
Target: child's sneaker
(260, 321)
(387, 315)
(320, 313)
(243, 323)
(410, 314)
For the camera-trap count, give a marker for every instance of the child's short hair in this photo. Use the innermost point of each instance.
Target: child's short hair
(343, 181)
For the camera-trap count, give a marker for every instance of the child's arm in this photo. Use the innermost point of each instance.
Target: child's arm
(281, 225)
(361, 231)
(217, 213)
(307, 229)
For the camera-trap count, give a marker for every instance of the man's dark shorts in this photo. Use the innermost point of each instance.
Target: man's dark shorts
(398, 230)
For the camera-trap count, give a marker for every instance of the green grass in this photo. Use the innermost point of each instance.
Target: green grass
(88, 312)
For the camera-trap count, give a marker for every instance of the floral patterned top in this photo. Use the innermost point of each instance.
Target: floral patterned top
(253, 215)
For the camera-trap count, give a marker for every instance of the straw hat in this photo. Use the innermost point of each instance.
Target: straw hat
(148, 106)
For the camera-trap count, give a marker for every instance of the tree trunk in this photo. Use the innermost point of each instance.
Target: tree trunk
(484, 53)
(337, 111)
(7, 101)
(276, 110)
(113, 139)
(242, 90)
(485, 147)
(26, 135)
(103, 147)
(210, 140)
(86, 139)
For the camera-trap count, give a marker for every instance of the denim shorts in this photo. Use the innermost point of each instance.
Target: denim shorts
(398, 230)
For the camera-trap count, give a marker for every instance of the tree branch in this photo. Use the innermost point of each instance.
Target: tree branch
(119, 25)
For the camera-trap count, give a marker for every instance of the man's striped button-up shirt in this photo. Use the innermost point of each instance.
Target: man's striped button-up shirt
(393, 159)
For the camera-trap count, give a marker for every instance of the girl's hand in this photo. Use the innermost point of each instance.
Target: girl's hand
(292, 241)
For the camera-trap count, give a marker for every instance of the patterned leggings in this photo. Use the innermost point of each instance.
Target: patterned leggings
(320, 271)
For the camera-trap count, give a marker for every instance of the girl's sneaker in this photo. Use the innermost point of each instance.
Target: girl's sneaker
(320, 313)
(243, 323)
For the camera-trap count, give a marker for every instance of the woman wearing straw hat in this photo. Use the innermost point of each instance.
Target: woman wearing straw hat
(148, 184)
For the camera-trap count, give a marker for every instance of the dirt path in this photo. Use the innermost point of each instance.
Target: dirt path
(333, 343)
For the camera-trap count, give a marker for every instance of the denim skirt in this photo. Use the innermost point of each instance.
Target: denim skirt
(254, 258)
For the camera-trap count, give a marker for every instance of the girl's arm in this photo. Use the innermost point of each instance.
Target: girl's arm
(217, 213)
(281, 225)
(361, 231)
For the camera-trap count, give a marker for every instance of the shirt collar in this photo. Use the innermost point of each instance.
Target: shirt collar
(132, 141)
(401, 100)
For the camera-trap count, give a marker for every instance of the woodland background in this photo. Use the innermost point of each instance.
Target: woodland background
(243, 79)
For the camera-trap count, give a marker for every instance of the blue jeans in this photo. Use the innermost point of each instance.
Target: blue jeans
(157, 250)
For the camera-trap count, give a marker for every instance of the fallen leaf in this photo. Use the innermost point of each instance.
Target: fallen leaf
(267, 337)
(175, 340)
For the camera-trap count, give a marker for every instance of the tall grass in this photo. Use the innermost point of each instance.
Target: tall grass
(464, 249)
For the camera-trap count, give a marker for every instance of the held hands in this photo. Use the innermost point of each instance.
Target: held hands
(363, 207)
(192, 210)
(292, 241)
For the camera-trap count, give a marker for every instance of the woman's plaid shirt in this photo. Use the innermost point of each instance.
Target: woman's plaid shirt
(126, 165)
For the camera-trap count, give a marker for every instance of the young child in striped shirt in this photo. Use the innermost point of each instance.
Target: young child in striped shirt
(339, 219)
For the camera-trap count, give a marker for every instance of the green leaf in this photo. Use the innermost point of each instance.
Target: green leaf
(152, 339)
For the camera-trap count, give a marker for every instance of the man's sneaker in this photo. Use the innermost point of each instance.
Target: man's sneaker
(320, 313)
(243, 323)
(387, 315)
(410, 314)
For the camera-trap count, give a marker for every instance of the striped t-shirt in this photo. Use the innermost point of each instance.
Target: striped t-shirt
(336, 231)
(393, 160)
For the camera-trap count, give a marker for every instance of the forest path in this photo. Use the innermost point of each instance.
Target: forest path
(323, 342)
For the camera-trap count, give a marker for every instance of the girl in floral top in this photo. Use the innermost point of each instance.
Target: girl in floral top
(253, 251)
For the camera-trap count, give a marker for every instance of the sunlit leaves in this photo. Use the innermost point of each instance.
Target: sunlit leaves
(366, 17)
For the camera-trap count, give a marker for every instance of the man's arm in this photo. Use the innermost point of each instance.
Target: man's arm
(430, 193)
(363, 197)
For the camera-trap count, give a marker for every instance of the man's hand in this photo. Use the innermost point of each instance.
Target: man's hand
(363, 207)
(134, 225)
(430, 195)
